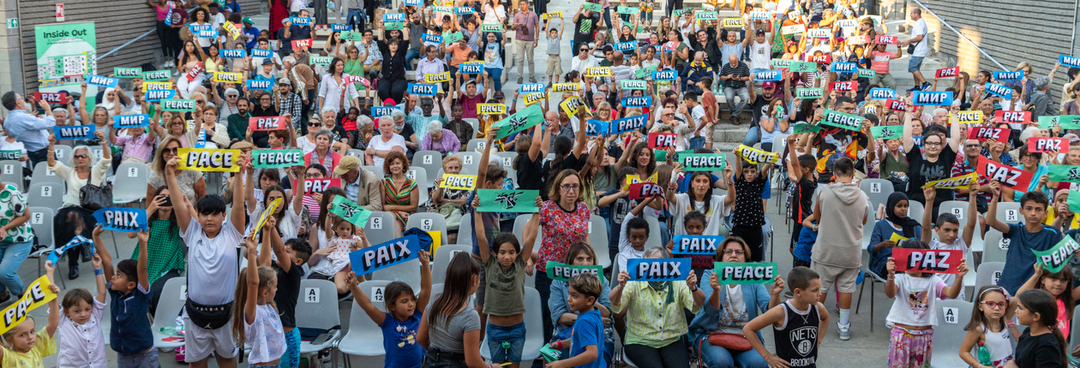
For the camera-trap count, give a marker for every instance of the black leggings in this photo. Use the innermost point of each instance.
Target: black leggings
(157, 286)
(753, 238)
(64, 225)
(163, 38)
(671, 356)
(392, 89)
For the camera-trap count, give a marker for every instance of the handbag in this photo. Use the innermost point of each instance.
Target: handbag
(730, 341)
(95, 197)
(452, 213)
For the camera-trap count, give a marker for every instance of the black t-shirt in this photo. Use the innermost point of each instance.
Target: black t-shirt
(531, 174)
(288, 293)
(583, 29)
(920, 171)
(1043, 351)
(802, 203)
(759, 107)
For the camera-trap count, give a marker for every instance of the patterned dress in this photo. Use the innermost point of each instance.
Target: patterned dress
(398, 195)
(560, 230)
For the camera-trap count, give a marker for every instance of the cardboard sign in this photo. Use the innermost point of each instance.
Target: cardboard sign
(659, 140)
(1066, 173)
(572, 105)
(491, 109)
(999, 90)
(563, 272)
(1009, 76)
(1015, 117)
(628, 124)
(760, 15)
(702, 162)
(644, 72)
(887, 132)
(300, 21)
(231, 53)
(270, 53)
(548, 16)
(888, 40)
(626, 46)
(1069, 61)
(844, 86)
(842, 67)
(385, 255)
(704, 245)
(756, 156)
(947, 72)
(1065, 121)
(983, 134)
(52, 98)
(956, 182)
(747, 273)
(509, 201)
(732, 22)
(534, 98)
(532, 88)
(593, 7)
(662, 269)
(11, 155)
(260, 85)
(809, 93)
(393, 17)
(222, 77)
(74, 132)
(598, 71)
(842, 120)
(312, 186)
(394, 26)
(1006, 175)
(492, 28)
(927, 260)
(881, 93)
(204, 159)
(159, 94)
(781, 63)
(128, 220)
(1035, 144)
(419, 89)
(178, 105)
(819, 59)
(276, 158)
(462, 182)
(266, 213)
(664, 75)
(858, 40)
(380, 111)
(150, 86)
(301, 44)
(633, 85)
(896, 238)
(565, 87)
(54, 256)
(131, 121)
(37, 294)
(127, 72)
(196, 28)
(932, 98)
(520, 121)
(433, 78)
(100, 81)
(867, 73)
(207, 33)
(1054, 259)
(819, 33)
(804, 128)
(969, 117)
(895, 105)
(596, 128)
(427, 37)
(470, 69)
(793, 29)
(645, 190)
(350, 211)
(451, 37)
(768, 76)
(343, 27)
(639, 101)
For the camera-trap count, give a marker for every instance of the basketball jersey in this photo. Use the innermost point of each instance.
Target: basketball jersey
(796, 340)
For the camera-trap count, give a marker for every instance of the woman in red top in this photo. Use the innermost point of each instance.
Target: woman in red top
(279, 10)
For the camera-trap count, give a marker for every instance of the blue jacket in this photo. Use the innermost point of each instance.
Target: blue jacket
(883, 231)
(706, 320)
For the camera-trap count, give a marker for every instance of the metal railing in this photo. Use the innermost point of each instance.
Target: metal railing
(139, 37)
(960, 35)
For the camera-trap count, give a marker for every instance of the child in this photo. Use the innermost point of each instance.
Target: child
(896, 223)
(1042, 344)
(130, 335)
(913, 317)
(291, 258)
(991, 325)
(634, 234)
(450, 330)
(401, 320)
(80, 314)
(505, 296)
(588, 332)
(619, 204)
(21, 346)
(1060, 286)
(799, 322)
(749, 214)
(801, 172)
(346, 238)
(947, 227)
(579, 254)
(1031, 235)
(262, 327)
(694, 224)
(554, 40)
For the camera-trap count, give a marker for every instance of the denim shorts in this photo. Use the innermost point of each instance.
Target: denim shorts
(146, 359)
(914, 64)
(514, 335)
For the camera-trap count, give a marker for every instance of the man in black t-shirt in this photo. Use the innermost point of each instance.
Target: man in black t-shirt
(585, 22)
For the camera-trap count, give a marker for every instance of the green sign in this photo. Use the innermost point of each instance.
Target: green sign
(352, 36)
(349, 210)
(500, 200)
(563, 272)
(705, 15)
(394, 26)
(15, 154)
(736, 273)
(127, 72)
(521, 120)
(867, 73)
(680, 12)
(842, 120)
(64, 50)
(12, 23)
(806, 128)
(809, 93)
(629, 10)
(644, 72)
(1053, 259)
(803, 67)
(444, 9)
(888, 132)
(274, 158)
(594, 7)
(1066, 122)
(1074, 203)
(320, 60)
(1067, 173)
(632, 84)
(177, 105)
(782, 63)
(702, 161)
(450, 38)
(497, 28)
(156, 76)
(661, 154)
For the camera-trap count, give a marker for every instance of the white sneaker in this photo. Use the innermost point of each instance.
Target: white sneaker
(844, 330)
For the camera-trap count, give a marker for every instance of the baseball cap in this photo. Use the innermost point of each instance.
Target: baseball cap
(769, 84)
(499, 94)
(760, 31)
(347, 163)
(283, 81)
(1073, 138)
(247, 20)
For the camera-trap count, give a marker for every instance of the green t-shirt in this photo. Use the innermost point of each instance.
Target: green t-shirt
(505, 287)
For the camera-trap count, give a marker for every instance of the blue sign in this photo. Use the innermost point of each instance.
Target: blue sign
(385, 255)
(231, 53)
(76, 241)
(999, 90)
(380, 111)
(662, 269)
(300, 21)
(638, 101)
(627, 124)
(626, 46)
(595, 128)
(129, 220)
(196, 28)
(100, 81)
(262, 53)
(414, 2)
(1009, 76)
(1069, 61)
(201, 142)
(156, 95)
(420, 89)
(207, 33)
(768, 76)
(664, 75)
(168, 17)
(74, 132)
(131, 121)
(340, 27)
(532, 88)
(471, 68)
(260, 85)
(882, 93)
(393, 17)
(427, 37)
(932, 98)
(463, 10)
(839, 67)
(696, 244)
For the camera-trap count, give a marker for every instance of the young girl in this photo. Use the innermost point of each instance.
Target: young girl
(991, 325)
(1042, 345)
(22, 346)
(344, 239)
(401, 320)
(80, 313)
(451, 330)
(261, 329)
(1060, 286)
(579, 254)
(504, 301)
(913, 317)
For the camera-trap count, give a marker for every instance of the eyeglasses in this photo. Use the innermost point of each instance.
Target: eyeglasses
(81, 155)
(668, 114)
(200, 101)
(996, 305)
(569, 187)
(310, 176)
(231, 96)
(931, 143)
(169, 150)
(583, 50)
(313, 124)
(971, 145)
(734, 252)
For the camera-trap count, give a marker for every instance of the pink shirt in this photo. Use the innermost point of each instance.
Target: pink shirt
(140, 147)
(880, 61)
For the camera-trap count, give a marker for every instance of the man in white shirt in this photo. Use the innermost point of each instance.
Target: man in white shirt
(918, 37)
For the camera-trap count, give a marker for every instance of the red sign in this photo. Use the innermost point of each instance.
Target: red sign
(312, 186)
(820, 59)
(262, 123)
(194, 72)
(645, 190)
(947, 72)
(1016, 117)
(888, 40)
(662, 140)
(844, 87)
(299, 44)
(53, 97)
(989, 134)
(1006, 175)
(927, 260)
(895, 105)
(1035, 144)
(357, 79)
(858, 40)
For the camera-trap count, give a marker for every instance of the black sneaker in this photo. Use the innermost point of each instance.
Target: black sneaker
(788, 294)
(73, 273)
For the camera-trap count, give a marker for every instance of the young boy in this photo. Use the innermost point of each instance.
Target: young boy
(130, 335)
(554, 39)
(1031, 235)
(633, 235)
(291, 257)
(618, 203)
(587, 336)
(799, 324)
(748, 216)
(801, 172)
(213, 266)
(947, 228)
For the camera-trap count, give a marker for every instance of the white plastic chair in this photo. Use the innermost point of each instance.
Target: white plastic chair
(49, 195)
(41, 221)
(11, 172)
(130, 183)
(173, 297)
(465, 229)
(988, 274)
(916, 210)
(359, 153)
(43, 175)
(995, 247)
(408, 272)
(878, 190)
(519, 229)
(476, 145)
(428, 221)
(364, 337)
(442, 258)
(429, 160)
(1009, 212)
(475, 123)
(380, 227)
(952, 316)
(318, 300)
(598, 239)
(654, 233)
(377, 171)
(420, 176)
(62, 152)
(534, 328)
(470, 159)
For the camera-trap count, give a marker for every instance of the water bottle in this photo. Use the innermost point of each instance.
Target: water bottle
(172, 330)
(984, 356)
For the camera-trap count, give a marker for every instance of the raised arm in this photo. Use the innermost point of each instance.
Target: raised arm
(252, 282)
(238, 214)
(991, 212)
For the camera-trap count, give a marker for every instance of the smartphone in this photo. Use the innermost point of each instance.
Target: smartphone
(321, 339)
(168, 201)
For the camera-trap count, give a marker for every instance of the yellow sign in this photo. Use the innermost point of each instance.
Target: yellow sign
(565, 87)
(266, 215)
(490, 109)
(205, 159)
(36, 295)
(896, 238)
(734, 22)
(956, 182)
(222, 77)
(572, 105)
(634, 179)
(534, 98)
(462, 182)
(968, 117)
(553, 15)
(598, 71)
(234, 31)
(437, 77)
(756, 156)
(156, 86)
(436, 241)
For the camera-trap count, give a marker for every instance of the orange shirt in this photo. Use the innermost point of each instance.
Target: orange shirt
(458, 54)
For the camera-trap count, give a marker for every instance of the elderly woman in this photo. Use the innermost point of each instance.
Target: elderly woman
(379, 148)
(729, 308)
(450, 202)
(72, 219)
(322, 154)
(399, 192)
(307, 142)
(16, 239)
(412, 142)
(655, 316)
(440, 139)
(191, 182)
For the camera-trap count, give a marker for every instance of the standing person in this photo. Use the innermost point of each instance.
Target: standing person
(835, 256)
(918, 37)
(735, 74)
(933, 162)
(585, 21)
(450, 330)
(525, 39)
(796, 342)
(1029, 235)
(26, 127)
(748, 216)
(1042, 344)
(162, 9)
(505, 263)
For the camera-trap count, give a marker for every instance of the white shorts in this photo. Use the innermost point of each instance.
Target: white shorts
(200, 342)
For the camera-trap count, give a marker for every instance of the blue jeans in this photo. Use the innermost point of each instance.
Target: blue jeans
(718, 357)
(496, 76)
(695, 143)
(356, 17)
(914, 64)
(291, 359)
(409, 55)
(752, 137)
(513, 334)
(12, 256)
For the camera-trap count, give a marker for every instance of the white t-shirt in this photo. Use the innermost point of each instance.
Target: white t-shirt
(491, 13)
(760, 55)
(697, 113)
(915, 303)
(212, 263)
(14, 146)
(627, 251)
(396, 141)
(714, 220)
(305, 145)
(921, 49)
(956, 245)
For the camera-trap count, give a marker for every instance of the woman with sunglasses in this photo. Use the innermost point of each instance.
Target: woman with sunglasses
(191, 182)
(73, 219)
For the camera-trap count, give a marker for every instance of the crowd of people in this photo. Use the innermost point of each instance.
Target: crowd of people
(360, 109)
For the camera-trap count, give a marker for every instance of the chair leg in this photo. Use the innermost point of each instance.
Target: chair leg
(871, 307)
(116, 247)
(861, 288)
